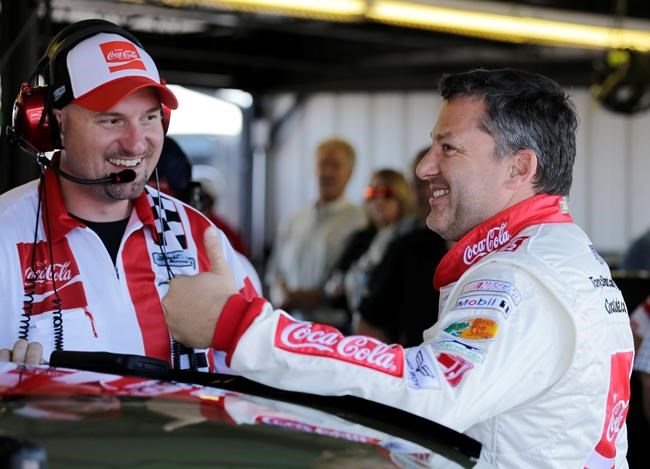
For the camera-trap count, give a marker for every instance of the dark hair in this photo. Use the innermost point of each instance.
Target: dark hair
(524, 110)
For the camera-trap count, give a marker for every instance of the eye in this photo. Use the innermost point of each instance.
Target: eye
(111, 121)
(448, 149)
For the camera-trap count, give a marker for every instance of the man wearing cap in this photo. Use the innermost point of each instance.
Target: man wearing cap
(88, 249)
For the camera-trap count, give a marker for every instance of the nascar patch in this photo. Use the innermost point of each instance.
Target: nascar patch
(494, 286)
(474, 329)
(495, 302)
(421, 369)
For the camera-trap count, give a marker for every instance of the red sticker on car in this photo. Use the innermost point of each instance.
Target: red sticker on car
(308, 338)
(309, 428)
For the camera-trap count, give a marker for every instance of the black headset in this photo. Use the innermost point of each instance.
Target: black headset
(33, 120)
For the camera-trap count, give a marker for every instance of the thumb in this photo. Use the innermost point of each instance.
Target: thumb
(213, 247)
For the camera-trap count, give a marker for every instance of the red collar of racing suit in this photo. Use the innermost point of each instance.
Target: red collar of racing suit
(60, 221)
(497, 232)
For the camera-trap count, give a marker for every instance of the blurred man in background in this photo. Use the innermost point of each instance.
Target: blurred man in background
(307, 246)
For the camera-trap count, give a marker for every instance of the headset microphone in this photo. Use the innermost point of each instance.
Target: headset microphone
(126, 175)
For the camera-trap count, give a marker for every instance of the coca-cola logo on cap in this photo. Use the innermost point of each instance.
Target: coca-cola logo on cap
(320, 340)
(121, 55)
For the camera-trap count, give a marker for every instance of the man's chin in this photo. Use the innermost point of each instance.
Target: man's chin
(444, 230)
(125, 191)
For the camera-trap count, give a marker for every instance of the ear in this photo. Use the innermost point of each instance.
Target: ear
(523, 167)
(58, 115)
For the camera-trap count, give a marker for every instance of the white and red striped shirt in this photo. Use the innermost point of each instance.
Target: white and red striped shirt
(105, 306)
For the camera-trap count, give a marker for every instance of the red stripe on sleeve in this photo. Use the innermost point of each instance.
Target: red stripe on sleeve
(248, 290)
(236, 316)
(141, 282)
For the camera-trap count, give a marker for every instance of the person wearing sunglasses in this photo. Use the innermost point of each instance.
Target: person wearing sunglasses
(389, 205)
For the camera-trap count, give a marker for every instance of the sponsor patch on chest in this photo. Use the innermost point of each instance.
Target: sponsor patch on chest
(453, 367)
(307, 338)
(456, 347)
(474, 329)
(493, 286)
(421, 369)
(484, 301)
(174, 259)
(45, 269)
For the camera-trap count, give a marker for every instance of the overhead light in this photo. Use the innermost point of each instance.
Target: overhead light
(507, 27)
(487, 20)
(339, 10)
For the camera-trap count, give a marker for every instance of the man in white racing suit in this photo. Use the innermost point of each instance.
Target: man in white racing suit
(532, 351)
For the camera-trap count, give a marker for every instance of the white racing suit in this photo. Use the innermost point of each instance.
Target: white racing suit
(531, 355)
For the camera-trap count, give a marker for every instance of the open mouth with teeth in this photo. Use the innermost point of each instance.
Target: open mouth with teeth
(439, 193)
(128, 163)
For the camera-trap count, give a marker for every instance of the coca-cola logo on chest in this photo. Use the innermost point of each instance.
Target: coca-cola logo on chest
(46, 268)
(45, 272)
(320, 340)
(493, 240)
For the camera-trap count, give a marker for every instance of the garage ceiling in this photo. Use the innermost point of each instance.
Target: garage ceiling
(210, 47)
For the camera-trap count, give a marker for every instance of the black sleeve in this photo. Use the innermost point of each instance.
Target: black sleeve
(401, 298)
(356, 245)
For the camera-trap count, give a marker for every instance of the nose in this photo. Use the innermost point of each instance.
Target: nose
(428, 165)
(134, 139)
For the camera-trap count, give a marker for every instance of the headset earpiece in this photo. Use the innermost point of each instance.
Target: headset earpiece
(32, 121)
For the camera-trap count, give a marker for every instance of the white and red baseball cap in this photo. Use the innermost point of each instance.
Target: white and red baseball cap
(101, 70)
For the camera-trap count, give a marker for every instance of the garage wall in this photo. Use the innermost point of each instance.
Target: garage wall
(610, 198)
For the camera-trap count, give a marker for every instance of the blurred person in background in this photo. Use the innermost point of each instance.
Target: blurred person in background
(400, 302)
(204, 195)
(307, 246)
(637, 255)
(389, 205)
(174, 171)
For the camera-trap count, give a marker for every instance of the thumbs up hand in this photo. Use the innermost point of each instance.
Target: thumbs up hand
(193, 304)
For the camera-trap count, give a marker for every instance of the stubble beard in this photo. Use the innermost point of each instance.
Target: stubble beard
(454, 227)
(126, 190)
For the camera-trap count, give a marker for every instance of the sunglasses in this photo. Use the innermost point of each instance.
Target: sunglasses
(370, 193)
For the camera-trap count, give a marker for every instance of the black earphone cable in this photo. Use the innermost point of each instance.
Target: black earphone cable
(57, 315)
(30, 280)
